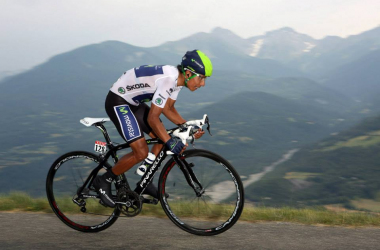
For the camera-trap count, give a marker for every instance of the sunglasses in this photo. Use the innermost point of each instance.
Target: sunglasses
(200, 76)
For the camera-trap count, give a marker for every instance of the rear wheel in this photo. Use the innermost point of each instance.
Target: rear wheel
(220, 205)
(84, 213)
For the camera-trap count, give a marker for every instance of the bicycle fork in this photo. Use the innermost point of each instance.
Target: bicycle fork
(190, 176)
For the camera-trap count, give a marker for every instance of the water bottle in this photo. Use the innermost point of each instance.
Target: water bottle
(146, 164)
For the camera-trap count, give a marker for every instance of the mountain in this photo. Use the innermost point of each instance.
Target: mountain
(74, 85)
(300, 90)
(254, 128)
(250, 129)
(84, 75)
(284, 45)
(358, 79)
(337, 170)
(227, 52)
(8, 73)
(312, 56)
(278, 53)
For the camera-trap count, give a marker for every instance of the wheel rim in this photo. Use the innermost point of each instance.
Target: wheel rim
(217, 209)
(68, 175)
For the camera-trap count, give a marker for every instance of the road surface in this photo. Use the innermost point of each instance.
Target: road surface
(46, 231)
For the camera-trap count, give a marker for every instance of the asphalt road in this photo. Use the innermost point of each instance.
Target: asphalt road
(46, 231)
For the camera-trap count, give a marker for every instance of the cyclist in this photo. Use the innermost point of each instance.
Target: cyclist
(126, 107)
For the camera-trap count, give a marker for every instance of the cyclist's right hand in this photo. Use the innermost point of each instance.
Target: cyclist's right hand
(175, 145)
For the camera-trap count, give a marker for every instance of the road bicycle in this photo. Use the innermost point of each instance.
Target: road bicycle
(199, 190)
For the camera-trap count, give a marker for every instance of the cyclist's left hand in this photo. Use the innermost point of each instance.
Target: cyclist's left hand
(199, 134)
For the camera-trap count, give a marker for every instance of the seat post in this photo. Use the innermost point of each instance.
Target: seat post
(101, 127)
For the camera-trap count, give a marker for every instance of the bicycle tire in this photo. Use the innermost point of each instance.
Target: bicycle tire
(61, 188)
(221, 205)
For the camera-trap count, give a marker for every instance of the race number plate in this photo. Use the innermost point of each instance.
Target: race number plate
(100, 147)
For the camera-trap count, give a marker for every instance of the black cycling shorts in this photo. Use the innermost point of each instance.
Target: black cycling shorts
(130, 121)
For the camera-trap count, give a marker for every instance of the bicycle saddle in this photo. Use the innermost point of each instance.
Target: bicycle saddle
(88, 121)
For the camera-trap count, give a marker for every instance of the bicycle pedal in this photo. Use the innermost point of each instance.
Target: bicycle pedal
(79, 202)
(150, 201)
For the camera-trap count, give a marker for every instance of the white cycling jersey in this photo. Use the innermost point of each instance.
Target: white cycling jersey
(146, 83)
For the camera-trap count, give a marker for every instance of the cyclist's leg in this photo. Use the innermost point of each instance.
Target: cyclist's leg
(102, 183)
(139, 153)
(141, 113)
(131, 121)
(123, 117)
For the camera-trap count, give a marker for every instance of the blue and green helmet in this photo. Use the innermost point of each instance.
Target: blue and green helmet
(197, 62)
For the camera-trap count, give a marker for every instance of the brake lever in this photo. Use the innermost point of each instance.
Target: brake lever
(192, 132)
(192, 141)
(208, 125)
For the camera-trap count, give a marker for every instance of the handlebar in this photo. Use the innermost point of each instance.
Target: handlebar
(187, 130)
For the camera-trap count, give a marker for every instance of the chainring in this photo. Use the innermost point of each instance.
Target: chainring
(129, 202)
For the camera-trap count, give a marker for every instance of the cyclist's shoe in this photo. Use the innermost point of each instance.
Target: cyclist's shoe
(152, 190)
(102, 186)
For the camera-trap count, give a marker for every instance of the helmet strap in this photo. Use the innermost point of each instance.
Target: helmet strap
(184, 75)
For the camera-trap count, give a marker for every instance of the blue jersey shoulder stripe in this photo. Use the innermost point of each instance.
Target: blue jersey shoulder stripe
(148, 70)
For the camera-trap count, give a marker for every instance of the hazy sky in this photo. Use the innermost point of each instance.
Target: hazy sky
(34, 30)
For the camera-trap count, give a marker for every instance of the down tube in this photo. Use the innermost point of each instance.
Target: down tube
(148, 176)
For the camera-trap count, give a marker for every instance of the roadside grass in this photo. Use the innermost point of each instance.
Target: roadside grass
(21, 202)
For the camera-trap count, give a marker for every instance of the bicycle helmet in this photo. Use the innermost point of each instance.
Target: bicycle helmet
(197, 62)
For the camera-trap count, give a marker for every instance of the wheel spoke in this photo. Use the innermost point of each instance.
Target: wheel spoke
(205, 214)
(66, 175)
(73, 176)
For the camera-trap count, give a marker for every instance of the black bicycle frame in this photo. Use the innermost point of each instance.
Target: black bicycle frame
(148, 176)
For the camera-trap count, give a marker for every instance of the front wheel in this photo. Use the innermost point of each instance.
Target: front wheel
(84, 212)
(218, 207)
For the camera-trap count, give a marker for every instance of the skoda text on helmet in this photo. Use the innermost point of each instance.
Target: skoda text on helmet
(197, 62)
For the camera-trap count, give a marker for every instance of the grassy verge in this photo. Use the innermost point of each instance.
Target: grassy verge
(23, 202)
(17, 201)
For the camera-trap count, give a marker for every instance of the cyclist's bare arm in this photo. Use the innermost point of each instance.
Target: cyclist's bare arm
(156, 124)
(171, 113)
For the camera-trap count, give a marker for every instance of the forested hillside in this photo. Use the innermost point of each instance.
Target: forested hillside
(338, 169)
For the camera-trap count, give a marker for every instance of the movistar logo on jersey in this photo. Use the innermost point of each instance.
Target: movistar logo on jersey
(138, 86)
(123, 111)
